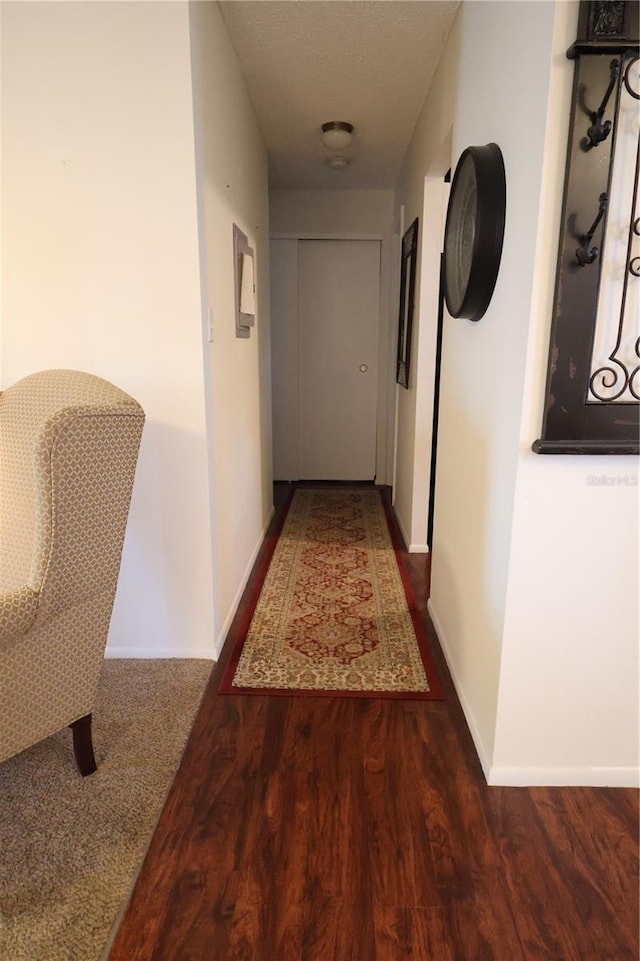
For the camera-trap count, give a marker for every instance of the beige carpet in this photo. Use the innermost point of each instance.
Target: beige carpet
(70, 846)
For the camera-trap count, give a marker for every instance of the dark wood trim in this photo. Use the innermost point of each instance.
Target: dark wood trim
(610, 47)
(584, 447)
(573, 422)
(436, 409)
(621, 32)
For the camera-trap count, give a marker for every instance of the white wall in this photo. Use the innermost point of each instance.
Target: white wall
(100, 270)
(483, 363)
(428, 156)
(534, 586)
(568, 705)
(350, 214)
(232, 188)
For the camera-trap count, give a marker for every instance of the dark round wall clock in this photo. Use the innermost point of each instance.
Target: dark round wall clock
(474, 231)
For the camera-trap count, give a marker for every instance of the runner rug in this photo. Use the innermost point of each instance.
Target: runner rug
(335, 614)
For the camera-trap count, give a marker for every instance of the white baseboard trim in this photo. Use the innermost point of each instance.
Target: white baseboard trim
(201, 653)
(564, 776)
(468, 713)
(411, 548)
(400, 526)
(133, 652)
(500, 776)
(222, 636)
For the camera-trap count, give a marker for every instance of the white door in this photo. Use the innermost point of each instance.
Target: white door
(338, 299)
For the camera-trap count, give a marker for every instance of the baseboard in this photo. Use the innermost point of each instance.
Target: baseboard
(158, 653)
(411, 548)
(468, 713)
(222, 636)
(564, 776)
(400, 526)
(200, 653)
(499, 776)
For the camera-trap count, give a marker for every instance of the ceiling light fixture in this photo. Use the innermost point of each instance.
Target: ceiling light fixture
(337, 134)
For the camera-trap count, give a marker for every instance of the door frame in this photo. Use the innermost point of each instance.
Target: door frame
(436, 394)
(386, 344)
(414, 420)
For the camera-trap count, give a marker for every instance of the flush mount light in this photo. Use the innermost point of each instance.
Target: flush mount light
(338, 163)
(337, 134)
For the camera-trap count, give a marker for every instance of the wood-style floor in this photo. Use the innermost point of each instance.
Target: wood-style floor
(322, 829)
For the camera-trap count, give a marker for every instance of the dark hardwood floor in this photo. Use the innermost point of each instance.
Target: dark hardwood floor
(321, 829)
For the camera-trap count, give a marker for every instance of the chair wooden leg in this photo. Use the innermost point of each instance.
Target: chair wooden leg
(83, 745)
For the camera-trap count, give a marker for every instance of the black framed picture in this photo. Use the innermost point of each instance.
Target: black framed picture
(407, 293)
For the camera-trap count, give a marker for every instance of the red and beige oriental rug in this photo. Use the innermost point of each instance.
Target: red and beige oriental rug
(335, 614)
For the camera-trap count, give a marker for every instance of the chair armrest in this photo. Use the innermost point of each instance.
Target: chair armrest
(18, 610)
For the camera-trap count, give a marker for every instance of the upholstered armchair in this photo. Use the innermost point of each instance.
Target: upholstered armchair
(68, 449)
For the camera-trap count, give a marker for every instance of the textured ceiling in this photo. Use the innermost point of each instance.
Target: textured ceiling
(369, 62)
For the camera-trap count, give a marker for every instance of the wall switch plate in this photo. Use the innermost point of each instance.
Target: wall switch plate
(210, 327)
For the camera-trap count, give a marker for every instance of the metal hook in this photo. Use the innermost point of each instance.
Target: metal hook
(599, 131)
(586, 254)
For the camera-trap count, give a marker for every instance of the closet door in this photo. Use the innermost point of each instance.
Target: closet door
(338, 304)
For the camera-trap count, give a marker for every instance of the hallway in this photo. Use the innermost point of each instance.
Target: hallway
(326, 829)
(135, 138)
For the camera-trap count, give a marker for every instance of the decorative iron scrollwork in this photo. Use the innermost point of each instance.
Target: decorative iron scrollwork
(634, 386)
(607, 383)
(593, 372)
(627, 79)
(585, 254)
(616, 379)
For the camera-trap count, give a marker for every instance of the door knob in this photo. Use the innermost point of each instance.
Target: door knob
(363, 368)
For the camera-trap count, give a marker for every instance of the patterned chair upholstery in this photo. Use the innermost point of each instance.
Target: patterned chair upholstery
(69, 444)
